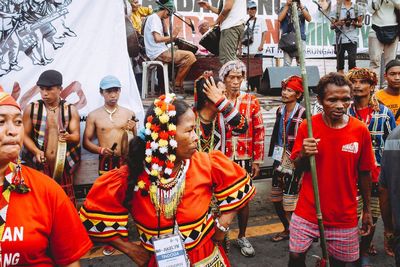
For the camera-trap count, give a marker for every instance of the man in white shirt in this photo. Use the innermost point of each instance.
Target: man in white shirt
(383, 15)
(348, 18)
(259, 28)
(231, 20)
(156, 44)
(259, 32)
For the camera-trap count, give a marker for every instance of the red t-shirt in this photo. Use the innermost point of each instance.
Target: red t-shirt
(366, 116)
(42, 227)
(341, 154)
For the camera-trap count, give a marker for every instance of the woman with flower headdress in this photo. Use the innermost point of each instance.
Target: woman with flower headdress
(34, 208)
(380, 122)
(167, 187)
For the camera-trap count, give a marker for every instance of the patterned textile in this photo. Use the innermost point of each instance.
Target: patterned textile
(380, 126)
(39, 132)
(5, 198)
(245, 164)
(248, 145)
(285, 187)
(299, 114)
(105, 217)
(227, 115)
(342, 243)
(108, 163)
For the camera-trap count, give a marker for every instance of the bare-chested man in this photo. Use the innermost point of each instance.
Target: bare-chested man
(108, 123)
(49, 124)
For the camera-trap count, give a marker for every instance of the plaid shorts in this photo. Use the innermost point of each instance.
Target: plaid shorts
(342, 243)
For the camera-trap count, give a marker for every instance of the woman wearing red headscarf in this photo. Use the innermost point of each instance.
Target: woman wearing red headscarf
(39, 225)
(285, 180)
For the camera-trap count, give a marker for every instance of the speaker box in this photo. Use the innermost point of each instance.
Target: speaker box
(273, 76)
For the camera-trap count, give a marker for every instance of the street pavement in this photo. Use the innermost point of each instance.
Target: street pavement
(268, 253)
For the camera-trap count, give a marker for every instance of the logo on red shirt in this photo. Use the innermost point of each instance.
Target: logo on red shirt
(352, 147)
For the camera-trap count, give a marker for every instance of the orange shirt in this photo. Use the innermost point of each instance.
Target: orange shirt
(105, 216)
(341, 154)
(391, 101)
(42, 227)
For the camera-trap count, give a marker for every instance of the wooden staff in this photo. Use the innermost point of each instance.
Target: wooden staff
(299, 43)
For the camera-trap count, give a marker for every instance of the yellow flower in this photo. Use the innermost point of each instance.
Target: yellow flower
(154, 173)
(158, 111)
(171, 127)
(141, 184)
(163, 143)
(154, 135)
(164, 118)
(148, 159)
(163, 180)
(172, 157)
(153, 189)
(148, 125)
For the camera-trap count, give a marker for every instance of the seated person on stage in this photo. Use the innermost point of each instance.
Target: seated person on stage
(156, 43)
(50, 123)
(108, 123)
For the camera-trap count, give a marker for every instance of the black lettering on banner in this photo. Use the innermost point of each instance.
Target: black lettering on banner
(185, 5)
(367, 19)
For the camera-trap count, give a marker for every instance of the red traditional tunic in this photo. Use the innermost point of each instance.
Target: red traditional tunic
(248, 145)
(106, 218)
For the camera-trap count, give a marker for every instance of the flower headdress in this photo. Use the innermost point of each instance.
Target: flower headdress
(160, 132)
(160, 156)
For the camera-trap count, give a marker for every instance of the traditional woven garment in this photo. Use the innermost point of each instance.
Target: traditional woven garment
(105, 217)
(39, 135)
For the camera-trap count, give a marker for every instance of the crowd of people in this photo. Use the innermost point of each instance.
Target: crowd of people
(187, 172)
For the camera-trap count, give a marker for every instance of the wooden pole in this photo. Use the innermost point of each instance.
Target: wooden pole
(300, 49)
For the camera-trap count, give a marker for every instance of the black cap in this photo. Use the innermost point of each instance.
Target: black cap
(50, 78)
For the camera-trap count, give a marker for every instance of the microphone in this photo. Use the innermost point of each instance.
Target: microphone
(192, 26)
(319, 6)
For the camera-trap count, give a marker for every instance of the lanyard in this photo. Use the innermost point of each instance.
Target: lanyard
(285, 124)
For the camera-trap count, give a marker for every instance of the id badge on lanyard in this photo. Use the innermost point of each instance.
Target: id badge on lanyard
(170, 251)
(278, 153)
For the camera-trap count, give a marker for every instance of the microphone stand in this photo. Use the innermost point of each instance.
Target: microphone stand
(338, 32)
(171, 13)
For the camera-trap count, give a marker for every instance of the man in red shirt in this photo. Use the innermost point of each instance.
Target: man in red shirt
(336, 136)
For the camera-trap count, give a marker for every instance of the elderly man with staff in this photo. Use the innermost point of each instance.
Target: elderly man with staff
(336, 133)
